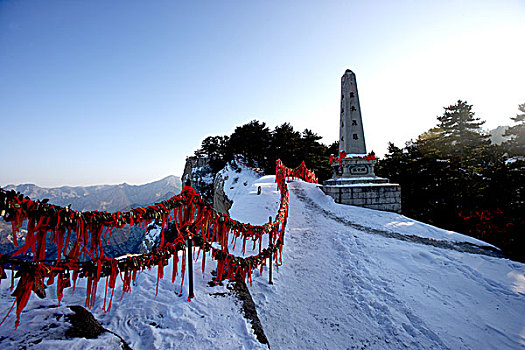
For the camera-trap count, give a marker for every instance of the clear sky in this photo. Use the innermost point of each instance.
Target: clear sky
(95, 92)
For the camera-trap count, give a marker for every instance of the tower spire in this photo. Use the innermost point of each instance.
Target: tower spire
(351, 134)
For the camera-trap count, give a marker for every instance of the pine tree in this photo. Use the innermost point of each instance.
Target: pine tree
(452, 177)
(516, 145)
(429, 142)
(251, 140)
(215, 149)
(462, 132)
(333, 148)
(285, 145)
(315, 154)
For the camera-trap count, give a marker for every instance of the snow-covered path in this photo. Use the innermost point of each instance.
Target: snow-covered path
(342, 288)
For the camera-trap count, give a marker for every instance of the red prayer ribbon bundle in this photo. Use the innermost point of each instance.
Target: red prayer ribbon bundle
(343, 155)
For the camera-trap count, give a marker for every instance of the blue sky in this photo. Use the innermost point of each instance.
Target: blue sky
(96, 92)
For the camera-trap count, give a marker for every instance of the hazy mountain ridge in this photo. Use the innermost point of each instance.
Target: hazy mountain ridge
(104, 197)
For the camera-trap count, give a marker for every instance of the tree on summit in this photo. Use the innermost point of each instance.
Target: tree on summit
(315, 154)
(214, 148)
(285, 145)
(253, 141)
(516, 145)
(461, 130)
(454, 178)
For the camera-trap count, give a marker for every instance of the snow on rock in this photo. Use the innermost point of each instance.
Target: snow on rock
(46, 328)
(241, 185)
(204, 175)
(151, 237)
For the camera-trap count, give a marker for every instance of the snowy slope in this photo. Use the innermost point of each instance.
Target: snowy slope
(389, 222)
(346, 287)
(212, 320)
(351, 278)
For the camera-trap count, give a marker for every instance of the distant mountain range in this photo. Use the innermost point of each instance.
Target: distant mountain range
(104, 198)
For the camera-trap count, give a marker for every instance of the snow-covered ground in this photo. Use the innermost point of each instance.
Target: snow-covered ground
(212, 320)
(341, 286)
(389, 221)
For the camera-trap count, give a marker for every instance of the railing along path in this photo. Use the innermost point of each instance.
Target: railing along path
(78, 237)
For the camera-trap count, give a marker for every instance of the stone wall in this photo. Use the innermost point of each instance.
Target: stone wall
(368, 195)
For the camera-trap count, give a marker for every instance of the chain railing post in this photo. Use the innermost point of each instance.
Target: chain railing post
(187, 221)
(190, 268)
(271, 255)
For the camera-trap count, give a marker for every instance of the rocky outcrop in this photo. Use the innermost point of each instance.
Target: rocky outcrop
(199, 175)
(221, 202)
(151, 238)
(84, 325)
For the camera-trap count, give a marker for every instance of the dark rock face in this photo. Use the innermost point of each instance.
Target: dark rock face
(199, 175)
(221, 202)
(83, 324)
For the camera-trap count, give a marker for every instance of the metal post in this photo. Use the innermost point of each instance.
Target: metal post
(271, 256)
(187, 222)
(190, 268)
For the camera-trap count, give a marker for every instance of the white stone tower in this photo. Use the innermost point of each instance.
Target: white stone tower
(351, 134)
(354, 181)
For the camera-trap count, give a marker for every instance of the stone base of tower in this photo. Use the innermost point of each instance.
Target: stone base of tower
(373, 193)
(354, 183)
